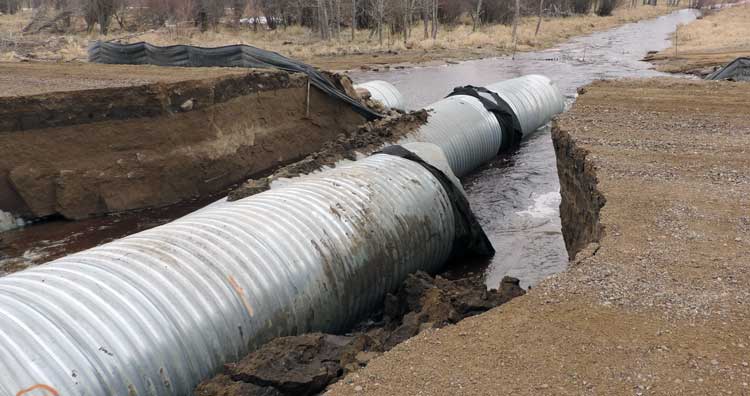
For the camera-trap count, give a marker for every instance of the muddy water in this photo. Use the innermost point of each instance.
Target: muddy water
(517, 196)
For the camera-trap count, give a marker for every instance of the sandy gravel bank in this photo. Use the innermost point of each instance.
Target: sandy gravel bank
(659, 305)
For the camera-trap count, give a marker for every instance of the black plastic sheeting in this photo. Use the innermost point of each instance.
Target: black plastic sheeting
(229, 56)
(509, 123)
(736, 70)
(470, 239)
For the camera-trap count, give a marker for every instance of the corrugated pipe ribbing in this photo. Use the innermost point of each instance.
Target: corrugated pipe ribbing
(460, 125)
(385, 93)
(155, 312)
(534, 98)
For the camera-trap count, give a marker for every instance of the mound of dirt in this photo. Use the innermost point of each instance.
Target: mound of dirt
(306, 364)
(363, 140)
(85, 153)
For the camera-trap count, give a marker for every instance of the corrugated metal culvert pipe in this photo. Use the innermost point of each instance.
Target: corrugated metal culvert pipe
(156, 312)
(534, 100)
(460, 125)
(385, 93)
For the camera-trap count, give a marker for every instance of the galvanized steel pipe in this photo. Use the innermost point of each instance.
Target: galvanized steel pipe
(470, 135)
(157, 311)
(534, 98)
(460, 125)
(385, 93)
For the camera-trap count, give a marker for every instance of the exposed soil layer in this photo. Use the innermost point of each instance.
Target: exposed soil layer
(346, 146)
(89, 152)
(48, 240)
(657, 302)
(306, 364)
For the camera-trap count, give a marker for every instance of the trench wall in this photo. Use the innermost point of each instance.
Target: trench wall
(581, 200)
(90, 152)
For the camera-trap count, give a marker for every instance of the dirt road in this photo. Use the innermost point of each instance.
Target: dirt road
(659, 304)
(37, 78)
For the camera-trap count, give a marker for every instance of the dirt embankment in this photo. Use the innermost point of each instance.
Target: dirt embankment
(46, 241)
(306, 364)
(93, 151)
(704, 45)
(659, 304)
(364, 140)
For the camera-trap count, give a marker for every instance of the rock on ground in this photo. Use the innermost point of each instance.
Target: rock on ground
(307, 364)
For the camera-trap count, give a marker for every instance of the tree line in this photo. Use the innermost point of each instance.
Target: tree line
(331, 19)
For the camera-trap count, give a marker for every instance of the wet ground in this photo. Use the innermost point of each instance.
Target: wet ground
(517, 196)
(49, 240)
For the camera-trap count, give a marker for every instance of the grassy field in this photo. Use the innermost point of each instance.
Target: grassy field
(717, 38)
(453, 42)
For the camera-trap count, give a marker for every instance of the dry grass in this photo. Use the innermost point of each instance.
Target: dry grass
(302, 43)
(14, 23)
(707, 43)
(727, 29)
(15, 46)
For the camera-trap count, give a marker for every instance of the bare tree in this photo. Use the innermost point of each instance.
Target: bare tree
(377, 12)
(10, 6)
(435, 6)
(206, 13)
(325, 28)
(238, 7)
(98, 12)
(406, 11)
(516, 17)
(337, 18)
(477, 15)
(354, 18)
(426, 17)
(539, 19)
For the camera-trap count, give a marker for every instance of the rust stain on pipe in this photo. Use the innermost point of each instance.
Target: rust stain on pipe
(241, 292)
(46, 390)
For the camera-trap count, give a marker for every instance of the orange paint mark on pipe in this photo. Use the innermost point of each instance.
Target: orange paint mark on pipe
(46, 390)
(241, 292)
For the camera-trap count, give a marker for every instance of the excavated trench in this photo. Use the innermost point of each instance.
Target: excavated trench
(103, 163)
(307, 364)
(512, 196)
(94, 152)
(519, 196)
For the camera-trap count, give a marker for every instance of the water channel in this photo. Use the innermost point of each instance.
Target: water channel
(516, 196)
